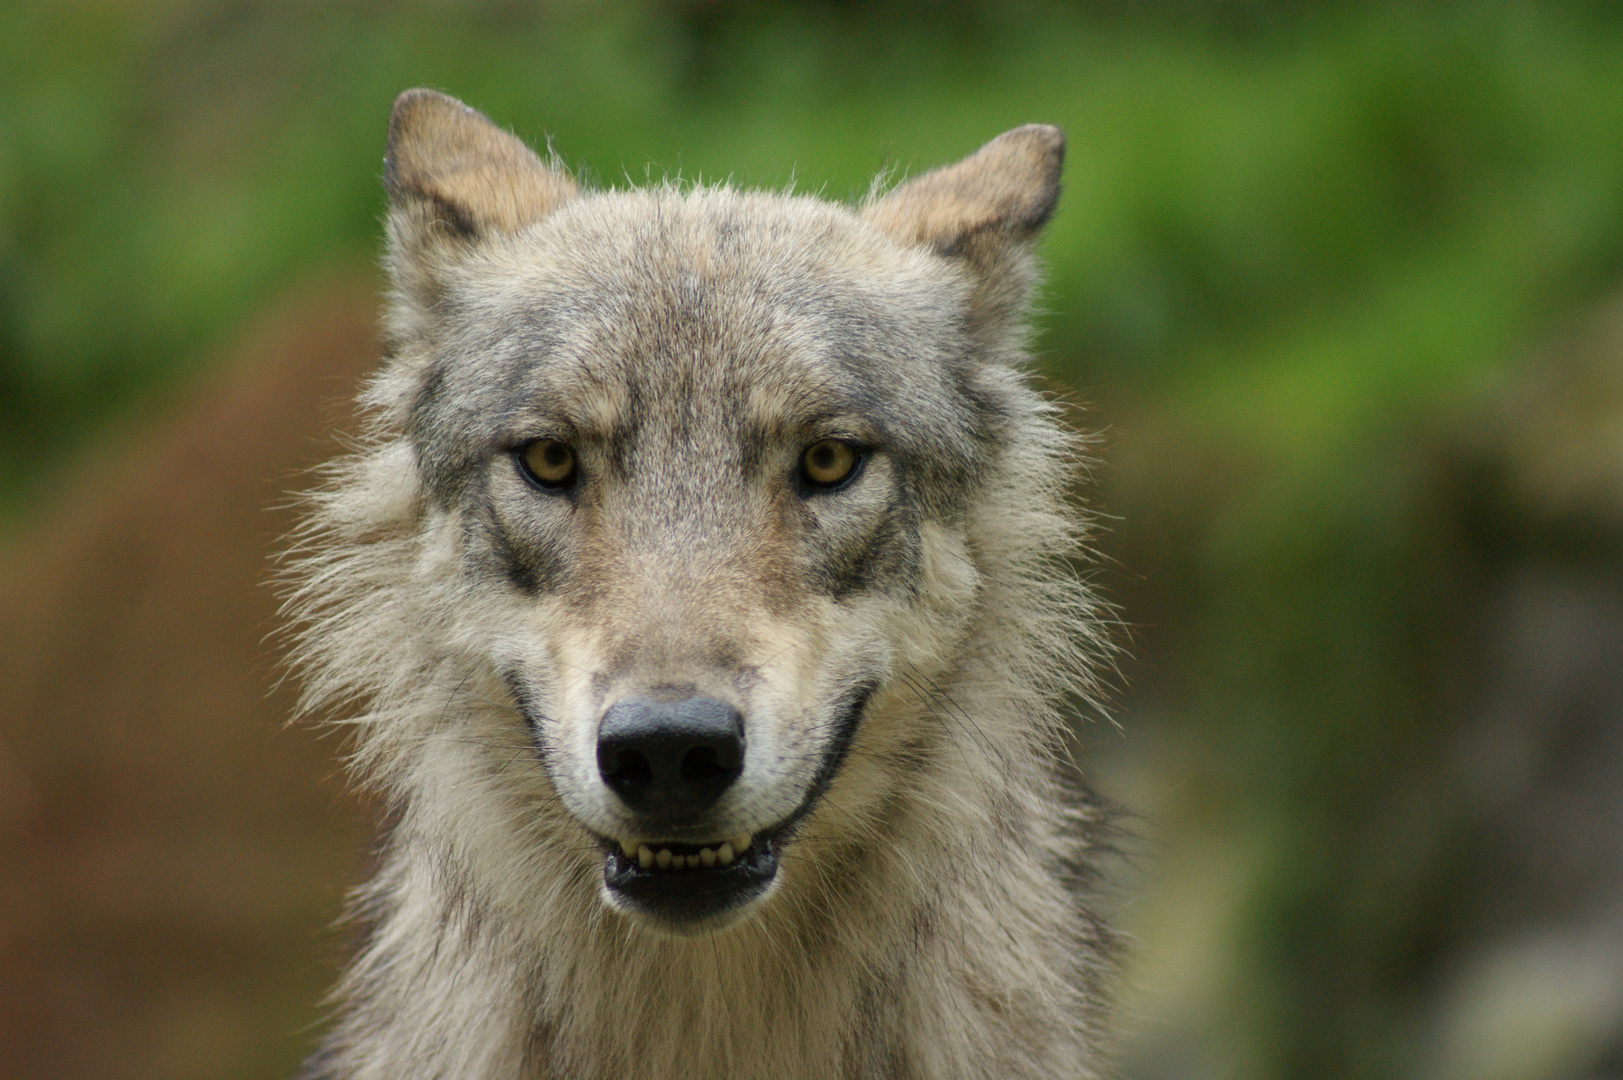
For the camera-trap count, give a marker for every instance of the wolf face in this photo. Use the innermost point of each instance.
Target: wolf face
(695, 472)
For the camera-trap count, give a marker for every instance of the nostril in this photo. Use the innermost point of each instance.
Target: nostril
(704, 764)
(623, 766)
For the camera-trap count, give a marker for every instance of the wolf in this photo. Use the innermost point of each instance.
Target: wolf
(704, 597)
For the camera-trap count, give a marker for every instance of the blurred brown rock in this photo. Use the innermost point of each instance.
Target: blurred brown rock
(171, 854)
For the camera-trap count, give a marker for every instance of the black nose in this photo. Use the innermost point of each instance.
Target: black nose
(672, 758)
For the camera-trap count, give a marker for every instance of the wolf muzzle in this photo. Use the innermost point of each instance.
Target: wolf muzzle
(670, 762)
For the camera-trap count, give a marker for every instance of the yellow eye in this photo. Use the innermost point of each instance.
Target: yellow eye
(548, 462)
(828, 462)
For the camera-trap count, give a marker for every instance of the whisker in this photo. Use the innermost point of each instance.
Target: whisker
(480, 698)
(948, 709)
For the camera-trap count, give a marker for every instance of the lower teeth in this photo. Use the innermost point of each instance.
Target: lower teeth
(721, 855)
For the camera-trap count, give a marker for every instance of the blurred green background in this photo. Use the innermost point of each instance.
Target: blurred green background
(1339, 284)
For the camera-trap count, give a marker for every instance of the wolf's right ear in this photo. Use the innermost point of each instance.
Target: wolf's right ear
(454, 177)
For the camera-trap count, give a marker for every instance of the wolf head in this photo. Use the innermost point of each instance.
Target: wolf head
(683, 507)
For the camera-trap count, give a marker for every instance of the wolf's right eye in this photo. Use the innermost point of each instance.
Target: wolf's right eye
(829, 463)
(547, 463)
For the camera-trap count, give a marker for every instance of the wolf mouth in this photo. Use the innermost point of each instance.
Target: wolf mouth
(679, 886)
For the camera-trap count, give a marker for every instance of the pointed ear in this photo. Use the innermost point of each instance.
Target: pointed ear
(453, 175)
(984, 211)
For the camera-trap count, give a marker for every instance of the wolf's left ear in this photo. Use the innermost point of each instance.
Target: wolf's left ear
(453, 177)
(985, 211)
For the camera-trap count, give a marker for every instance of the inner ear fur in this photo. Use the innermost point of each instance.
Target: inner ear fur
(452, 174)
(984, 212)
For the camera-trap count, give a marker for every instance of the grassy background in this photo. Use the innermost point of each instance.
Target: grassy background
(1333, 280)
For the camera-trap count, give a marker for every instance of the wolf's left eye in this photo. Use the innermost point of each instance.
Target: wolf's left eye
(547, 462)
(829, 463)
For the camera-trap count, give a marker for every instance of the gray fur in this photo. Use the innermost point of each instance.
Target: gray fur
(900, 647)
